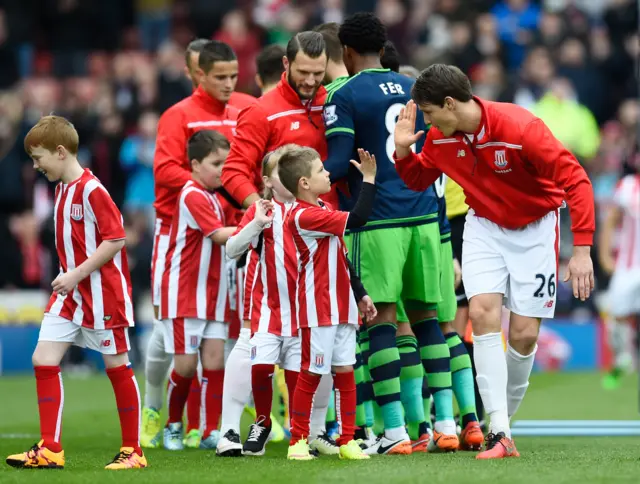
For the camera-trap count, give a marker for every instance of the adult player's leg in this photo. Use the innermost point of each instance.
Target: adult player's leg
(471, 437)
(56, 336)
(157, 360)
(379, 256)
(212, 357)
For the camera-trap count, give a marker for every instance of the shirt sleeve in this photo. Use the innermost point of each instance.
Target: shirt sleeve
(203, 212)
(169, 163)
(317, 222)
(103, 211)
(246, 218)
(418, 172)
(242, 169)
(555, 162)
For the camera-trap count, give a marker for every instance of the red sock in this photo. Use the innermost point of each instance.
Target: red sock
(177, 394)
(345, 388)
(291, 379)
(50, 403)
(262, 388)
(212, 383)
(302, 402)
(127, 394)
(193, 405)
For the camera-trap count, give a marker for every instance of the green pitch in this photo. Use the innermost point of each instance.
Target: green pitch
(91, 437)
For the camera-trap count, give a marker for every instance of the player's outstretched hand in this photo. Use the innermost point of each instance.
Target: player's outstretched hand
(367, 165)
(404, 134)
(264, 213)
(580, 271)
(367, 308)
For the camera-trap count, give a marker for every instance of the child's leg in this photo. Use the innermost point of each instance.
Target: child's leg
(343, 359)
(237, 383)
(265, 352)
(193, 404)
(212, 357)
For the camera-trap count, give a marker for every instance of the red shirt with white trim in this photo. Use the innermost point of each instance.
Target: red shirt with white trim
(325, 297)
(278, 118)
(171, 168)
(273, 289)
(627, 198)
(84, 217)
(513, 171)
(194, 283)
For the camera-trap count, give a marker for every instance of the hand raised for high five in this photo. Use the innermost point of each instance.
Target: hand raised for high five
(367, 166)
(404, 135)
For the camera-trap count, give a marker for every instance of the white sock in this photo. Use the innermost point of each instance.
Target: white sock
(518, 368)
(317, 425)
(491, 369)
(237, 383)
(446, 427)
(157, 365)
(398, 433)
(620, 333)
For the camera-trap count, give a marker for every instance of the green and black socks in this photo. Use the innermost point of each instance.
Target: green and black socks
(462, 379)
(411, 380)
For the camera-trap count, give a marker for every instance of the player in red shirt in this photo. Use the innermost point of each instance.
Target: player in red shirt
(515, 175)
(327, 308)
(206, 108)
(91, 301)
(193, 296)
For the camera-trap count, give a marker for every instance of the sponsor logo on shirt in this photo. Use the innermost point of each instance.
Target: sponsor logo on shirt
(295, 125)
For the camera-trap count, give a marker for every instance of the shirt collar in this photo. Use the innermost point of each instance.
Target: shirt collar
(208, 102)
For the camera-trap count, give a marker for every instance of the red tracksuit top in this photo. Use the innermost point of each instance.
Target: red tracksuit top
(278, 118)
(513, 171)
(171, 169)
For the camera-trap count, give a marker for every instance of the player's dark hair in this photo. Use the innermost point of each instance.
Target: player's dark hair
(195, 46)
(310, 43)
(363, 32)
(215, 51)
(390, 59)
(269, 64)
(329, 33)
(439, 81)
(296, 163)
(204, 142)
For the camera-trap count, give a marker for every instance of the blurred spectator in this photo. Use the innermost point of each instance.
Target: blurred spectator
(517, 21)
(154, 21)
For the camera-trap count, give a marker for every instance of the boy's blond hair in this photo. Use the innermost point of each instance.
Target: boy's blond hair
(51, 132)
(294, 164)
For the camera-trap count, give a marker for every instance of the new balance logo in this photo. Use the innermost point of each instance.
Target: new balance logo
(549, 304)
(295, 125)
(105, 343)
(461, 153)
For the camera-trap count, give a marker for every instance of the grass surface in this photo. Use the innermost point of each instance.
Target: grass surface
(91, 437)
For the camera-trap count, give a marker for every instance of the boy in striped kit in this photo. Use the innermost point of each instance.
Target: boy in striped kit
(193, 297)
(327, 290)
(91, 301)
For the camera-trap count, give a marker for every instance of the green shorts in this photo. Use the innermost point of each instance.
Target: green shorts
(448, 306)
(398, 263)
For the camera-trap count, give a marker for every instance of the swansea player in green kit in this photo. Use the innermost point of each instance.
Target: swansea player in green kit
(397, 252)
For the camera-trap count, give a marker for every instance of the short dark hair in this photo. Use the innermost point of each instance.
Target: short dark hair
(215, 51)
(269, 63)
(390, 59)
(204, 142)
(294, 164)
(332, 42)
(439, 81)
(194, 46)
(310, 43)
(363, 32)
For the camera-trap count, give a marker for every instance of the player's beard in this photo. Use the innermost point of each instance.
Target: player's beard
(303, 97)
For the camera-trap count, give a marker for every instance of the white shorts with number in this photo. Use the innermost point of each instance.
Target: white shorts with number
(269, 349)
(328, 346)
(106, 341)
(158, 262)
(183, 336)
(623, 296)
(520, 264)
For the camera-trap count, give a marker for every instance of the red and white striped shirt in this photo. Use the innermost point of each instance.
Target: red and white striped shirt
(324, 294)
(194, 283)
(274, 286)
(84, 216)
(627, 197)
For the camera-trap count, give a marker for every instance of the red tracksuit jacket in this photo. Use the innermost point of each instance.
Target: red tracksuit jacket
(278, 118)
(513, 172)
(171, 169)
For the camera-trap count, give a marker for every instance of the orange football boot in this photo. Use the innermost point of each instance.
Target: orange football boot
(471, 437)
(37, 457)
(498, 446)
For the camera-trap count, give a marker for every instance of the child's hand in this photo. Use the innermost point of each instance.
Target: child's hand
(65, 283)
(367, 165)
(264, 213)
(367, 308)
